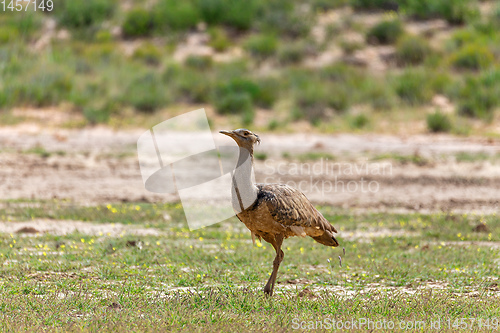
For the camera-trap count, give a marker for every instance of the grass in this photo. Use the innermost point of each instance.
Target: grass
(314, 156)
(403, 159)
(438, 122)
(211, 279)
(476, 157)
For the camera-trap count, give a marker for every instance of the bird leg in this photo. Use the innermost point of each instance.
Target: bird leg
(276, 243)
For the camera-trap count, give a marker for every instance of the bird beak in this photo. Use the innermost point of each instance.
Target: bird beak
(228, 133)
(258, 139)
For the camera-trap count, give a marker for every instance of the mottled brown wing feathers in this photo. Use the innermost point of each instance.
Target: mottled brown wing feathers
(290, 207)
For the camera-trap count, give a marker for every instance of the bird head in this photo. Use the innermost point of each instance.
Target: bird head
(243, 137)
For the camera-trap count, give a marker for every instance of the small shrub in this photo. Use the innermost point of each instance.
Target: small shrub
(84, 13)
(237, 14)
(273, 125)
(23, 25)
(385, 32)
(325, 5)
(315, 99)
(148, 53)
(462, 37)
(175, 15)
(248, 117)
(260, 156)
(381, 96)
(262, 93)
(8, 34)
(96, 115)
(349, 47)
(103, 36)
(359, 121)
(293, 53)
(237, 102)
(188, 85)
(285, 18)
(438, 122)
(496, 15)
(199, 62)
(261, 46)
(473, 57)
(219, 39)
(479, 96)
(84, 95)
(375, 4)
(413, 87)
(99, 51)
(267, 93)
(46, 87)
(146, 93)
(454, 11)
(412, 50)
(138, 22)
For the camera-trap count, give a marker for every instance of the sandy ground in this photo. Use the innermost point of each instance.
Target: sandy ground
(99, 165)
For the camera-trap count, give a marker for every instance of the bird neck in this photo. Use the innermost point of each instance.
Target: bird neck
(244, 190)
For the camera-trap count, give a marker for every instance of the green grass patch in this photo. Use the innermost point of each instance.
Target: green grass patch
(438, 122)
(211, 279)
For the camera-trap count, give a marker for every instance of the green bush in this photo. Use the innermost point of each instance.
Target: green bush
(248, 117)
(138, 22)
(8, 34)
(238, 14)
(48, 86)
(359, 121)
(413, 87)
(385, 32)
(292, 53)
(146, 93)
(454, 11)
(462, 37)
(262, 93)
(199, 62)
(473, 57)
(285, 18)
(267, 93)
(496, 15)
(219, 39)
(96, 115)
(23, 25)
(380, 96)
(376, 4)
(237, 102)
(438, 122)
(175, 15)
(84, 13)
(349, 47)
(148, 53)
(479, 96)
(261, 46)
(313, 101)
(412, 50)
(188, 85)
(103, 36)
(325, 5)
(233, 94)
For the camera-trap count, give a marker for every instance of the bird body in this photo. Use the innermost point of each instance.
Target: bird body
(277, 211)
(283, 209)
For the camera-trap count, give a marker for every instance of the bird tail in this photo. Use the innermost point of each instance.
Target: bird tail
(327, 239)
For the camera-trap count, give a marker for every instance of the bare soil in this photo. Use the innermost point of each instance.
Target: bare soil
(99, 165)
